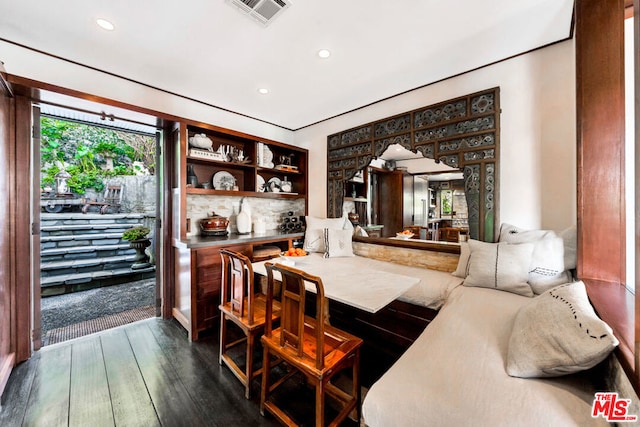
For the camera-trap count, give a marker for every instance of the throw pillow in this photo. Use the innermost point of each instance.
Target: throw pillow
(570, 238)
(499, 266)
(337, 243)
(558, 333)
(463, 261)
(313, 237)
(547, 261)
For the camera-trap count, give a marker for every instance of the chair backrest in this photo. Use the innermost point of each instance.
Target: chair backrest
(292, 310)
(113, 194)
(237, 283)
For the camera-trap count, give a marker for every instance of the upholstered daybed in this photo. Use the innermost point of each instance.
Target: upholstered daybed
(501, 351)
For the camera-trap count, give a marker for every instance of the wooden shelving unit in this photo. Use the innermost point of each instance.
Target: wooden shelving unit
(197, 274)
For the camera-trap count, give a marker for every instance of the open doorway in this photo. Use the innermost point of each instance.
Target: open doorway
(96, 175)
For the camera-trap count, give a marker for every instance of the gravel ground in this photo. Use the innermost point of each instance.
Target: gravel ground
(68, 309)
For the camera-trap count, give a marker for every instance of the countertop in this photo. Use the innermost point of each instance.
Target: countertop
(196, 242)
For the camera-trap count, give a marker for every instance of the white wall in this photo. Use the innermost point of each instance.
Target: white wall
(538, 134)
(538, 140)
(26, 63)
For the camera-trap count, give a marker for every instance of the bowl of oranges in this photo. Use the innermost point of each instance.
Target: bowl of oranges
(404, 235)
(293, 255)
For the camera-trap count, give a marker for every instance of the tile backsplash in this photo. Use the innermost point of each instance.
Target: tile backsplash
(270, 210)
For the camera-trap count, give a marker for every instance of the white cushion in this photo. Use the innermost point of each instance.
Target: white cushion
(570, 238)
(463, 261)
(337, 243)
(547, 261)
(501, 266)
(558, 333)
(313, 236)
(313, 240)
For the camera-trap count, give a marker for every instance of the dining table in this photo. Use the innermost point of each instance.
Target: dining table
(360, 282)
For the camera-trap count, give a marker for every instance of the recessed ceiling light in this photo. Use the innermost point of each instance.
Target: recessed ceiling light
(104, 24)
(324, 53)
(263, 90)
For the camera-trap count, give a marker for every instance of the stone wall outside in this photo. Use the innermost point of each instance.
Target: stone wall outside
(139, 193)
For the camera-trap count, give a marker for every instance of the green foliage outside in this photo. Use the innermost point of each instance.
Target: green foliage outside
(91, 153)
(446, 199)
(135, 233)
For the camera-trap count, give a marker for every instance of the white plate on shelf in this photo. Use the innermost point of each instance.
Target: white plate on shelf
(260, 185)
(273, 185)
(223, 180)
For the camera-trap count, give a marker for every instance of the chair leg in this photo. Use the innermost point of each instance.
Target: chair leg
(320, 391)
(249, 367)
(266, 371)
(356, 385)
(223, 337)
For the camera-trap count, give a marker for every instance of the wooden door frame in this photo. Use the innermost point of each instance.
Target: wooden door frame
(600, 130)
(22, 223)
(27, 91)
(36, 334)
(7, 237)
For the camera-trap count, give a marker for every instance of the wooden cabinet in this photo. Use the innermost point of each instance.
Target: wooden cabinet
(199, 279)
(207, 274)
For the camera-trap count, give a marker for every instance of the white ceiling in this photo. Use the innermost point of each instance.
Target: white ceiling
(208, 51)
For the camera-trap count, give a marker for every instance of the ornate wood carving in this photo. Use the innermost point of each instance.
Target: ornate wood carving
(463, 133)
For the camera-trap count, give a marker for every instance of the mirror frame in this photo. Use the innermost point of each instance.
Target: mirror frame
(463, 133)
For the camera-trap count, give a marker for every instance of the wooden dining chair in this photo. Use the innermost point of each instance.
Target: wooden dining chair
(309, 346)
(242, 305)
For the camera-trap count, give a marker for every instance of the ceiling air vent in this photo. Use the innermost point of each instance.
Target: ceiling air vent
(263, 11)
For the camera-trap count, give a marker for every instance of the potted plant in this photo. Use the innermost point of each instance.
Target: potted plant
(137, 237)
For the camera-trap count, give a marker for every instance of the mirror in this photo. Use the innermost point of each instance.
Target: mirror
(402, 190)
(462, 133)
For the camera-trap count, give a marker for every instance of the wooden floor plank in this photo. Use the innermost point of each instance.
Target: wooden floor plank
(90, 403)
(170, 398)
(48, 403)
(130, 400)
(16, 393)
(218, 394)
(154, 376)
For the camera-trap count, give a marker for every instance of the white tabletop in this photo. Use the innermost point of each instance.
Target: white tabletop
(357, 281)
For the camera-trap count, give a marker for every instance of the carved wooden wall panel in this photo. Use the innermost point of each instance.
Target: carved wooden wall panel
(463, 133)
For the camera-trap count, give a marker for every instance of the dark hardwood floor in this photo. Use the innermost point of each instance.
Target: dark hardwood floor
(143, 374)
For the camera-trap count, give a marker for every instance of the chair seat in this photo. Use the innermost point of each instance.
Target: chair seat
(338, 346)
(259, 313)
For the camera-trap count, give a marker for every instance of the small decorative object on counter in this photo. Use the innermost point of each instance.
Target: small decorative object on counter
(243, 221)
(259, 226)
(215, 225)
